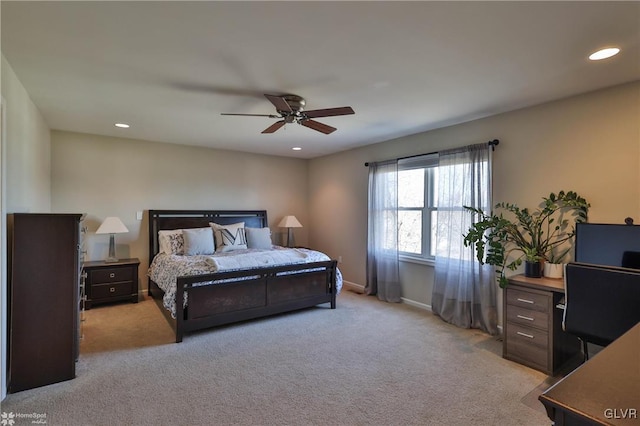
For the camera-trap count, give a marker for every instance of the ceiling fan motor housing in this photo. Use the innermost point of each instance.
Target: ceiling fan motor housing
(296, 102)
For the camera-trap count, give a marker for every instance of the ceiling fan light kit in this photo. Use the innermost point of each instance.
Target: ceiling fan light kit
(290, 109)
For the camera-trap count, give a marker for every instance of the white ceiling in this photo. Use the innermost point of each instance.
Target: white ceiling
(170, 68)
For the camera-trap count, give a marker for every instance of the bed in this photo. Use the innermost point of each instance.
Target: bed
(195, 293)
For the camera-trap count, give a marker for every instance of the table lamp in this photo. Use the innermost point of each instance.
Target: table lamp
(289, 222)
(112, 225)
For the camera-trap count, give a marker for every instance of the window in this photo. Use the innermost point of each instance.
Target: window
(418, 180)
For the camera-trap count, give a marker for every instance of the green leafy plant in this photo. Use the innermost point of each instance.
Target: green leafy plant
(497, 239)
(556, 255)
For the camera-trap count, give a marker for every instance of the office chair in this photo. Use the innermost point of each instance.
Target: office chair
(601, 302)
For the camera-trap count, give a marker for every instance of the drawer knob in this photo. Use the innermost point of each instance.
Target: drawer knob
(112, 275)
(525, 318)
(112, 289)
(525, 300)
(530, 336)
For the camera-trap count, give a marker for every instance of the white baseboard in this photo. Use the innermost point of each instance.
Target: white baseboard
(358, 288)
(348, 285)
(419, 305)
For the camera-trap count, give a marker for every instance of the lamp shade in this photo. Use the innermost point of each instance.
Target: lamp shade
(112, 225)
(289, 222)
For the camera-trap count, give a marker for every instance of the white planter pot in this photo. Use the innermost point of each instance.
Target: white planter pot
(553, 270)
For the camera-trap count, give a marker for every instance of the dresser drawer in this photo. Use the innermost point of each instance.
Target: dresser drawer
(111, 275)
(528, 299)
(104, 291)
(528, 317)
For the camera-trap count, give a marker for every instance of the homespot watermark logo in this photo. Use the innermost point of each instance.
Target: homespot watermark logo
(10, 419)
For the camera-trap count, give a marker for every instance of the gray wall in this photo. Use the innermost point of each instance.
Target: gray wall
(105, 176)
(28, 149)
(588, 143)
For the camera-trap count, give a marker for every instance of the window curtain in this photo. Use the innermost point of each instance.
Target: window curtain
(383, 270)
(464, 291)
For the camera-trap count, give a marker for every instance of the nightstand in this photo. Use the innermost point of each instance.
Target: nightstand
(111, 282)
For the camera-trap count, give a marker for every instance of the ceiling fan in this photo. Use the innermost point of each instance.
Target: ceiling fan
(290, 109)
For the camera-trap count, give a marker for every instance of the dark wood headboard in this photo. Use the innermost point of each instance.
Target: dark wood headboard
(184, 219)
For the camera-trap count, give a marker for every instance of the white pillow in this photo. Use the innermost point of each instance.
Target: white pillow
(229, 237)
(258, 238)
(171, 241)
(198, 241)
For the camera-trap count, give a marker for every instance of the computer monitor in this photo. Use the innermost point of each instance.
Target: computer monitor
(608, 244)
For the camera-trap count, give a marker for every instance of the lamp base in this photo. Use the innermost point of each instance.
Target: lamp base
(289, 237)
(112, 250)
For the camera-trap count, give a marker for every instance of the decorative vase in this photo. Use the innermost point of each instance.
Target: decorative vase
(553, 270)
(532, 269)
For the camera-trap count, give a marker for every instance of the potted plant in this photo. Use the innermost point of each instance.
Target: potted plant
(497, 239)
(554, 266)
(533, 262)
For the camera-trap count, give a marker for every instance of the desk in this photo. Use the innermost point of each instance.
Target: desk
(603, 391)
(533, 333)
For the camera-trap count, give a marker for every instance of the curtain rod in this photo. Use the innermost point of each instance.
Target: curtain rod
(492, 144)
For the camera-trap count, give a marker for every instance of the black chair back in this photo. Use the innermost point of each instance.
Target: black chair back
(601, 302)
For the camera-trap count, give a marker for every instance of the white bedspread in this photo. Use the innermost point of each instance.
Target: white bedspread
(257, 260)
(165, 268)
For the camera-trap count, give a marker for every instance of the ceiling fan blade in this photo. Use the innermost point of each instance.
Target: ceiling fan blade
(328, 112)
(251, 115)
(316, 125)
(275, 126)
(278, 102)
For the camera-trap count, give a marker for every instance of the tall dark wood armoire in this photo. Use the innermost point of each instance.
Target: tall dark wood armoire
(43, 274)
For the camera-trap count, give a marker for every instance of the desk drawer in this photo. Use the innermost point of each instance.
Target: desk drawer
(111, 275)
(521, 350)
(528, 299)
(527, 336)
(105, 291)
(528, 317)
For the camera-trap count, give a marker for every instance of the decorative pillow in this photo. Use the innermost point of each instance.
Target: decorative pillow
(171, 242)
(229, 237)
(258, 238)
(198, 241)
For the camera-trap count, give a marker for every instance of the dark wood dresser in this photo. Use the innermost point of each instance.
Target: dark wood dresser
(533, 333)
(43, 276)
(111, 282)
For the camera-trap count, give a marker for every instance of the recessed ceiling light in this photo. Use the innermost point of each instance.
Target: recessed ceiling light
(123, 125)
(604, 53)
(296, 148)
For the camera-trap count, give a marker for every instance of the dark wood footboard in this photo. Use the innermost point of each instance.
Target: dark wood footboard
(249, 294)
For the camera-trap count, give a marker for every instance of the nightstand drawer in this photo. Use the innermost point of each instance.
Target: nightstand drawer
(111, 282)
(111, 275)
(528, 300)
(528, 317)
(104, 291)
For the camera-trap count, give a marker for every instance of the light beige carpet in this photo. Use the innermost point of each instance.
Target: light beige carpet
(365, 363)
